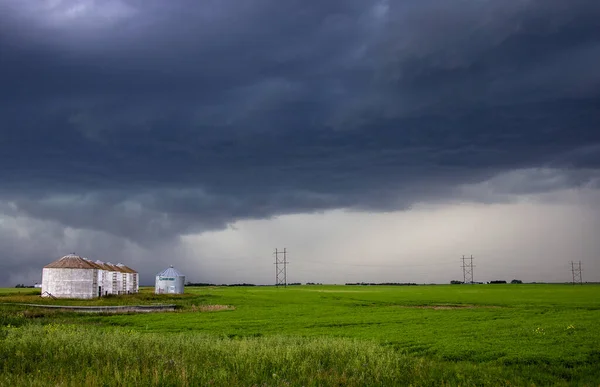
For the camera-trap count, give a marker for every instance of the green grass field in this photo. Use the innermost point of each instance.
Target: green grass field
(312, 335)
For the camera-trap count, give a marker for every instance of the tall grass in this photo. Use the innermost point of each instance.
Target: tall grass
(329, 335)
(70, 355)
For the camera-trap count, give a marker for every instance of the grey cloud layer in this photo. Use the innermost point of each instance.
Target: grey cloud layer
(172, 117)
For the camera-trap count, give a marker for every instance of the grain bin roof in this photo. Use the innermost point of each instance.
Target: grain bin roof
(72, 261)
(126, 269)
(105, 266)
(170, 272)
(114, 267)
(96, 266)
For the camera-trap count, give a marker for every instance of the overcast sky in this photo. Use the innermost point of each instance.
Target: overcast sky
(378, 141)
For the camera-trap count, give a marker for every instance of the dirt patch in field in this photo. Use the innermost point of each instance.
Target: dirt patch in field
(211, 308)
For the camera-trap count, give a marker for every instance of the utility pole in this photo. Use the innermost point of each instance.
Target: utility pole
(467, 270)
(281, 268)
(576, 271)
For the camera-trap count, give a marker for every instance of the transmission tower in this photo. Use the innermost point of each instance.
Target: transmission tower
(281, 267)
(576, 270)
(467, 269)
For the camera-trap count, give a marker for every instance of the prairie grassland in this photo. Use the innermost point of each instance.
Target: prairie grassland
(314, 335)
(79, 355)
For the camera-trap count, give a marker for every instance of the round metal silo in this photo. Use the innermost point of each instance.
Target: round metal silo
(169, 281)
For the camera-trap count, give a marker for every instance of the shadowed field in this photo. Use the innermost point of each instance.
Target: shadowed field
(424, 335)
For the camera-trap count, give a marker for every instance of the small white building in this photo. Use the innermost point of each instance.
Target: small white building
(70, 277)
(169, 281)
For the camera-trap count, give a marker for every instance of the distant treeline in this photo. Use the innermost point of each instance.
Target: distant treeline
(515, 281)
(383, 284)
(230, 285)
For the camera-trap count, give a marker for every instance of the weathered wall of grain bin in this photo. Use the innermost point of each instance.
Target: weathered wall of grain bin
(127, 279)
(70, 283)
(118, 279)
(113, 276)
(136, 282)
(105, 278)
(100, 283)
(132, 285)
(169, 281)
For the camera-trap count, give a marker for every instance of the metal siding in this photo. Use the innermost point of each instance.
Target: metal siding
(136, 282)
(105, 282)
(175, 286)
(70, 283)
(130, 283)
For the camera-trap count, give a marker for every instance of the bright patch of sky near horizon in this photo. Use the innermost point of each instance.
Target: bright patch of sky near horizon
(532, 239)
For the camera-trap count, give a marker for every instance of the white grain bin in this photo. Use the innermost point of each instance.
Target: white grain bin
(118, 278)
(132, 285)
(105, 278)
(70, 277)
(169, 281)
(101, 278)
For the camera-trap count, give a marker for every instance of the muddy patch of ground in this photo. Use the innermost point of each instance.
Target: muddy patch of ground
(211, 308)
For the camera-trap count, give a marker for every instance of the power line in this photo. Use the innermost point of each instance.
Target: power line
(281, 267)
(576, 271)
(467, 270)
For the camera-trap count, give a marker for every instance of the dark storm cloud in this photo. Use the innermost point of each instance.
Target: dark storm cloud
(172, 117)
(29, 244)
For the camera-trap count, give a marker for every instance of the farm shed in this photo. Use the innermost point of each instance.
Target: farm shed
(169, 281)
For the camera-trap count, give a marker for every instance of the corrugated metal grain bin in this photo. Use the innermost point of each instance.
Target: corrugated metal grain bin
(169, 281)
(70, 277)
(132, 278)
